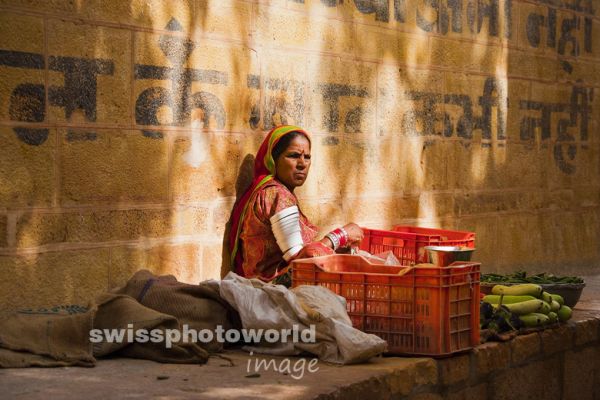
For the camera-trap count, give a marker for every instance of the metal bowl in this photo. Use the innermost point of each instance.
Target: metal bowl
(442, 256)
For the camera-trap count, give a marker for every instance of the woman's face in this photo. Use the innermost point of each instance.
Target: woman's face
(291, 168)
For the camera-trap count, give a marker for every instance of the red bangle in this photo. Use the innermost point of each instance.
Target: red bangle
(342, 235)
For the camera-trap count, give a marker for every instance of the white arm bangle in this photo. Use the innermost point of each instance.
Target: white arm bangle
(334, 240)
(288, 255)
(287, 231)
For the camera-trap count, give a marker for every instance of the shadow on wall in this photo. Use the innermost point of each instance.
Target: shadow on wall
(94, 198)
(244, 179)
(411, 124)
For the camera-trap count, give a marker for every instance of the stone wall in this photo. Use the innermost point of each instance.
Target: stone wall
(127, 129)
(559, 363)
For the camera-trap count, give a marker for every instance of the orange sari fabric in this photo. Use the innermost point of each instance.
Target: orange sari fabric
(262, 257)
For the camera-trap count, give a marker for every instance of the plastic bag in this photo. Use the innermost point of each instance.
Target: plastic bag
(385, 258)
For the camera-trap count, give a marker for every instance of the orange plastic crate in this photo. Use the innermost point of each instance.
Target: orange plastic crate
(428, 311)
(408, 242)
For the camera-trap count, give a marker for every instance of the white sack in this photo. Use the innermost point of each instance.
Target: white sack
(267, 306)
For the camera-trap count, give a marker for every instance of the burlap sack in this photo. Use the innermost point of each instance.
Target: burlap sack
(145, 302)
(199, 306)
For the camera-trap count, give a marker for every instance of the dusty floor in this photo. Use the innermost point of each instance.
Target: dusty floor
(131, 379)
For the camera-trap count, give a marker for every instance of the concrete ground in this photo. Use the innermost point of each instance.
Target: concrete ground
(590, 297)
(135, 379)
(221, 379)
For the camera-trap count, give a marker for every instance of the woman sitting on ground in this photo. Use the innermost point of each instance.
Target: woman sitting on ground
(268, 229)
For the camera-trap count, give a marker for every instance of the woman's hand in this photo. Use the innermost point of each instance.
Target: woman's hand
(355, 234)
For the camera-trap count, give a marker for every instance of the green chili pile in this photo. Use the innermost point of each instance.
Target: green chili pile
(522, 277)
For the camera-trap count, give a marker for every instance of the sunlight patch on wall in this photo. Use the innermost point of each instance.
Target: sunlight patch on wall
(428, 209)
(501, 71)
(198, 147)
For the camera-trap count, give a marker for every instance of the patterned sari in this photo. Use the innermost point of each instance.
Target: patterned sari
(254, 249)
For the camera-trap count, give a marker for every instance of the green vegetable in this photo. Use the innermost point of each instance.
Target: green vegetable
(546, 308)
(526, 289)
(534, 319)
(525, 307)
(498, 318)
(564, 313)
(546, 297)
(495, 299)
(521, 277)
(558, 298)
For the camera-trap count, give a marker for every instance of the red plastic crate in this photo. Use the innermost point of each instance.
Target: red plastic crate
(428, 311)
(408, 242)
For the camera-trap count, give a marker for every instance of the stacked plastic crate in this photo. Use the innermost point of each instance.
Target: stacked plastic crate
(419, 310)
